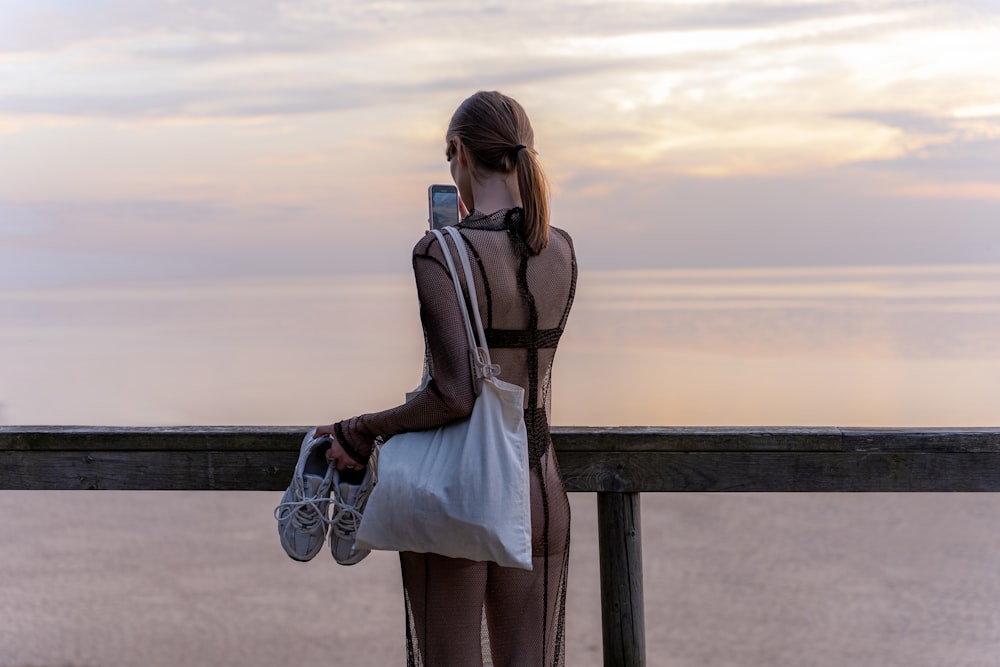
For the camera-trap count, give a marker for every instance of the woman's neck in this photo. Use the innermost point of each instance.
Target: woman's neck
(494, 192)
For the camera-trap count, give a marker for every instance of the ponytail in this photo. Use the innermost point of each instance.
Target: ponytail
(496, 131)
(534, 189)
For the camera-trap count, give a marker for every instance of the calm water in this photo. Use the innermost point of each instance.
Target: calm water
(869, 346)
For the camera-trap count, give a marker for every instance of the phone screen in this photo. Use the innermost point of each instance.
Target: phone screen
(443, 202)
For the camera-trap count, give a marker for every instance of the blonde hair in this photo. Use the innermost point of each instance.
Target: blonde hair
(495, 129)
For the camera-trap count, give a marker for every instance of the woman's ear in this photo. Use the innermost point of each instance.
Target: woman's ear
(463, 157)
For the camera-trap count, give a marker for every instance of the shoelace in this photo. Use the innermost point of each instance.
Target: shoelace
(304, 514)
(346, 520)
(347, 517)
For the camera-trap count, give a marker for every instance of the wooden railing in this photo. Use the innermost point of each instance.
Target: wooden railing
(616, 463)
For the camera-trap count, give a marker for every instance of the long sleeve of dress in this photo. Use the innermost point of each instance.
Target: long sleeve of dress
(450, 394)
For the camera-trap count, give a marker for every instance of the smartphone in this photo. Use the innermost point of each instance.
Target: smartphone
(442, 203)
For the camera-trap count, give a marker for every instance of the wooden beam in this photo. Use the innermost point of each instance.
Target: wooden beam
(623, 460)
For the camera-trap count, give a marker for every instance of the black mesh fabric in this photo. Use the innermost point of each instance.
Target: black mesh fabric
(466, 613)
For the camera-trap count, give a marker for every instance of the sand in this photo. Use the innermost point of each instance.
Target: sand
(109, 579)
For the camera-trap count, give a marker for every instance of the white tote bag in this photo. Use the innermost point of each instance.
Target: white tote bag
(461, 490)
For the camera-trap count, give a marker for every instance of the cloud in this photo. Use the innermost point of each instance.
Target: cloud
(958, 160)
(188, 57)
(825, 218)
(238, 27)
(905, 120)
(142, 240)
(833, 217)
(270, 136)
(704, 88)
(202, 102)
(55, 25)
(21, 221)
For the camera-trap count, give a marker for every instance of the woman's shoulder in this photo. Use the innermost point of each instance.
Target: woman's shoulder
(428, 247)
(424, 243)
(428, 243)
(558, 232)
(560, 238)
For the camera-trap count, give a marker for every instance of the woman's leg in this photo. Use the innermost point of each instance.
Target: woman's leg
(445, 599)
(525, 610)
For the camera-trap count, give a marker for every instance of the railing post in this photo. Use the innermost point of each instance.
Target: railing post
(620, 548)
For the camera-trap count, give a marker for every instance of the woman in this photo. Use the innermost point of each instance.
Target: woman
(525, 282)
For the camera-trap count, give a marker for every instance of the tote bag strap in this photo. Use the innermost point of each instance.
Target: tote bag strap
(482, 366)
(479, 362)
(463, 255)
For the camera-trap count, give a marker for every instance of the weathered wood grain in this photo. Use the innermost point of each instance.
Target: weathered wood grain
(620, 552)
(780, 471)
(144, 438)
(685, 439)
(119, 470)
(592, 459)
(567, 438)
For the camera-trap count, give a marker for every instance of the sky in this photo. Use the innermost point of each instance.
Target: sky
(188, 139)
(784, 212)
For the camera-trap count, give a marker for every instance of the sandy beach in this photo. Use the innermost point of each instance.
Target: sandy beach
(114, 579)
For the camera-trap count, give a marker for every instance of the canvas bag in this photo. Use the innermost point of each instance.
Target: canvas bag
(461, 490)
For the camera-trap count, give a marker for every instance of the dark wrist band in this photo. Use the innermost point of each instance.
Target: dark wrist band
(339, 430)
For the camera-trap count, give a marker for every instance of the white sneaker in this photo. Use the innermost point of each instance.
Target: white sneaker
(349, 502)
(302, 513)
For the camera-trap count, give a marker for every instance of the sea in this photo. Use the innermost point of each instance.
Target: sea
(839, 346)
(108, 579)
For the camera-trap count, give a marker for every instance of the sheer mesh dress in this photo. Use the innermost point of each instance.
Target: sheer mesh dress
(466, 613)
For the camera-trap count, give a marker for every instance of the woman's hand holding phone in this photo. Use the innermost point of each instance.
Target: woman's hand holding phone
(443, 206)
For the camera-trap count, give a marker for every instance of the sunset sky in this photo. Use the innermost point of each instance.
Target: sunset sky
(161, 140)
(786, 213)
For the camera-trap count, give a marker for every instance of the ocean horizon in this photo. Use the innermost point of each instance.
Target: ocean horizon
(816, 346)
